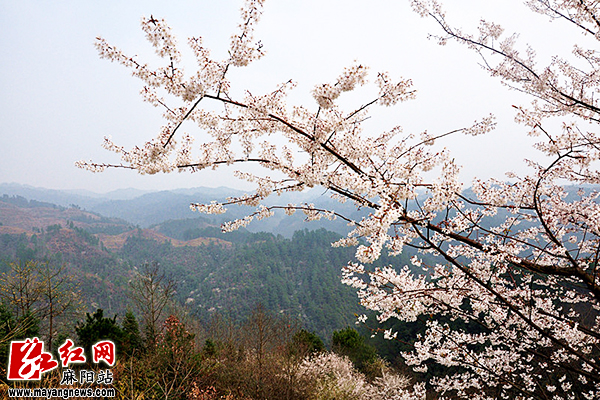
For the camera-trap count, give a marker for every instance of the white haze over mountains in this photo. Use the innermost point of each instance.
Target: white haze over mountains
(148, 208)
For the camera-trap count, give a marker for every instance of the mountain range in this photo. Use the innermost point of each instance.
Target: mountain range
(150, 208)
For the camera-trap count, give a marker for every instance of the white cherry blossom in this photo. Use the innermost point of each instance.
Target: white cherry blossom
(517, 259)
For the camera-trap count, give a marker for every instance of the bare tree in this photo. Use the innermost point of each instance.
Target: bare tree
(40, 292)
(21, 287)
(60, 299)
(152, 291)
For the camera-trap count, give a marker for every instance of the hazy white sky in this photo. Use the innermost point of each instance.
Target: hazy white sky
(58, 99)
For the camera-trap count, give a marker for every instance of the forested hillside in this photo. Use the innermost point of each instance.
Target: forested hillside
(228, 273)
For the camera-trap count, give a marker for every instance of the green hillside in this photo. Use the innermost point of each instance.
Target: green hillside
(215, 272)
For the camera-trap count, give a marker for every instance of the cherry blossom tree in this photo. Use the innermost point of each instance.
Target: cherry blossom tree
(528, 282)
(334, 377)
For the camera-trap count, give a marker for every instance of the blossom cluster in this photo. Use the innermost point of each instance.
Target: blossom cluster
(336, 377)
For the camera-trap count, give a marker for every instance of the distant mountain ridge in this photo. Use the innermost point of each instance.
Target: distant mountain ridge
(88, 199)
(145, 208)
(30, 217)
(17, 211)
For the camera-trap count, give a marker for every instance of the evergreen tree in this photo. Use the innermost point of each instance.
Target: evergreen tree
(97, 328)
(350, 343)
(305, 343)
(132, 340)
